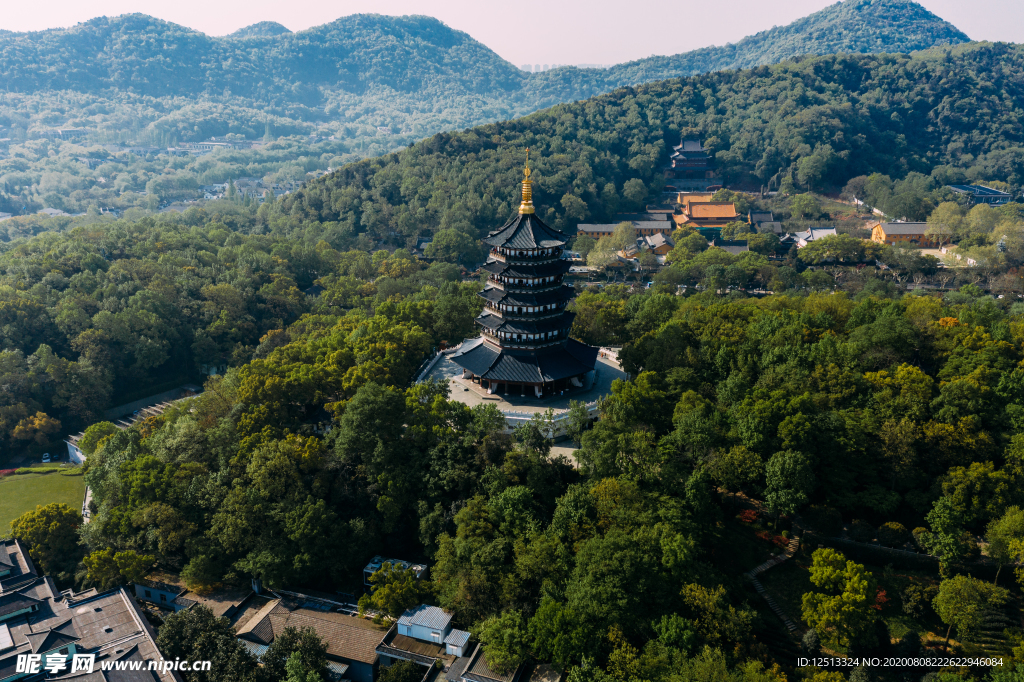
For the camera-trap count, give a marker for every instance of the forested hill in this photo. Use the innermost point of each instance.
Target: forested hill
(861, 26)
(820, 120)
(148, 56)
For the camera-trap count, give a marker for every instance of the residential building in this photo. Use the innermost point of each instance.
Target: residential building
(733, 247)
(378, 561)
(641, 217)
(904, 234)
(642, 228)
(980, 194)
(667, 209)
(802, 239)
(756, 218)
(659, 244)
(351, 641)
(16, 566)
(423, 635)
(474, 668)
(38, 619)
(162, 589)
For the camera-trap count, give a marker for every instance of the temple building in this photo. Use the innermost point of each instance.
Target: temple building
(524, 347)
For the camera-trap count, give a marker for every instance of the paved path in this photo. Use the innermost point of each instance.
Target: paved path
(791, 548)
(471, 394)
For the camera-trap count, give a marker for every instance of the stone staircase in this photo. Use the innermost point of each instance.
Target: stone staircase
(791, 548)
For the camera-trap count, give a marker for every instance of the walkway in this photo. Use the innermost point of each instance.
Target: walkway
(791, 548)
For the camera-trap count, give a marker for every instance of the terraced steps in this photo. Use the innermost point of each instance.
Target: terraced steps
(791, 548)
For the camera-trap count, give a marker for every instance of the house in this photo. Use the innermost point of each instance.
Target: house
(980, 194)
(351, 641)
(423, 635)
(733, 247)
(756, 218)
(659, 244)
(904, 234)
(710, 214)
(802, 239)
(38, 619)
(661, 208)
(640, 217)
(474, 668)
(162, 589)
(774, 227)
(642, 228)
(377, 562)
(16, 566)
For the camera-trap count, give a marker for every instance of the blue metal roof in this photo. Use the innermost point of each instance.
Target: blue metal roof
(979, 190)
(426, 616)
(457, 638)
(255, 649)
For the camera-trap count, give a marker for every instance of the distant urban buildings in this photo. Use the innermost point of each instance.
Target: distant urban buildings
(537, 68)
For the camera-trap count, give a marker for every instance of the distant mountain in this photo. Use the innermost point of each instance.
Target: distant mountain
(363, 75)
(263, 29)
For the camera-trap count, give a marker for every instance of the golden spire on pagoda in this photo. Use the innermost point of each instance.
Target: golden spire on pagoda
(527, 205)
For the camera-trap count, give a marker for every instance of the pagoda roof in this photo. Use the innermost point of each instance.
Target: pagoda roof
(525, 231)
(525, 367)
(525, 298)
(526, 270)
(525, 325)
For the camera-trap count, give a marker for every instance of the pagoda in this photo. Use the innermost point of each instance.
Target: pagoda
(524, 347)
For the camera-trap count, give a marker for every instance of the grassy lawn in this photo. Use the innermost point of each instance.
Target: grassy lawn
(21, 493)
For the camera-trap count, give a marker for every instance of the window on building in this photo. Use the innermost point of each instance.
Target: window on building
(163, 597)
(149, 595)
(436, 636)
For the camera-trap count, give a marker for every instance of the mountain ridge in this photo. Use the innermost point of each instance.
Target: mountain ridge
(408, 52)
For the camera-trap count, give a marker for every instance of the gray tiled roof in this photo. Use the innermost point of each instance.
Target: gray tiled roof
(525, 231)
(426, 616)
(457, 638)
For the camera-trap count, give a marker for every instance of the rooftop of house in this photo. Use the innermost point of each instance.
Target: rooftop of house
(760, 217)
(635, 217)
(659, 239)
(164, 580)
(107, 623)
(979, 190)
(347, 636)
(716, 209)
(15, 559)
(903, 228)
(478, 670)
(426, 616)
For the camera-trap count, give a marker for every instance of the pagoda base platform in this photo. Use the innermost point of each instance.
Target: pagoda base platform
(470, 393)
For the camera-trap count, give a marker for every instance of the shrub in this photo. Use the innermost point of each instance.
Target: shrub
(917, 533)
(7, 472)
(893, 534)
(747, 515)
(861, 531)
(825, 520)
(35, 470)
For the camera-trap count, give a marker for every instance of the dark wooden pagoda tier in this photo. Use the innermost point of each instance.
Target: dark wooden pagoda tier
(525, 325)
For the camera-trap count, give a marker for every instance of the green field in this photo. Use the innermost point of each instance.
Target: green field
(21, 493)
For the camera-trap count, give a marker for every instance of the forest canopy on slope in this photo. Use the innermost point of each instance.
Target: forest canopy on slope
(819, 120)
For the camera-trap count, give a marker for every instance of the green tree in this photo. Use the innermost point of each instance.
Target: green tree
(196, 634)
(402, 671)
(577, 421)
(296, 671)
(790, 481)
(505, 641)
(51, 533)
(584, 245)
(1004, 535)
(844, 612)
(107, 567)
(945, 222)
(948, 538)
(94, 435)
(394, 590)
(805, 205)
(962, 602)
(294, 649)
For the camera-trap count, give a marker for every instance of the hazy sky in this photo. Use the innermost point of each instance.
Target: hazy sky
(525, 31)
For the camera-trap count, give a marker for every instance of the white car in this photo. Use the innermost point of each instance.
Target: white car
(46, 458)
